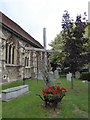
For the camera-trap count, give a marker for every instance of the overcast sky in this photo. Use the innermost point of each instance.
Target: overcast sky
(34, 15)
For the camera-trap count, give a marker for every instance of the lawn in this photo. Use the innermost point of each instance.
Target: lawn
(74, 104)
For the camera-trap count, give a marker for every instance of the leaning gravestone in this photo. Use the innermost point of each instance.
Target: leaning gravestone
(69, 76)
(56, 74)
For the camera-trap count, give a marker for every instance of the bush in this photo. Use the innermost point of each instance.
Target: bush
(85, 76)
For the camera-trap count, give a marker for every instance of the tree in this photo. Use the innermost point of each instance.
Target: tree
(57, 43)
(57, 58)
(74, 42)
(87, 45)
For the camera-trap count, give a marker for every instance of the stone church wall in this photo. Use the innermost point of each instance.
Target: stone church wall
(18, 70)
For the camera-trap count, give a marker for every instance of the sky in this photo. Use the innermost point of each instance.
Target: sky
(34, 15)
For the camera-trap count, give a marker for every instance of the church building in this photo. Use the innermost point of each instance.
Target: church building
(16, 62)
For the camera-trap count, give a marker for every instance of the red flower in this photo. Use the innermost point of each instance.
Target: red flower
(49, 90)
(43, 91)
(45, 95)
(59, 94)
(64, 89)
(55, 91)
(58, 87)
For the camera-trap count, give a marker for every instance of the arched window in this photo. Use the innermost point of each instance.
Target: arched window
(9, 60)
(13, 52)
(26, 61)
(6, 52)
(10, 53)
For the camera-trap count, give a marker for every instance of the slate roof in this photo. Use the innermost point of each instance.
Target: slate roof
(8, 23)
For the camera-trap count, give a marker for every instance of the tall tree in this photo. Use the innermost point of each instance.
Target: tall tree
(74, 41)
(58, 56)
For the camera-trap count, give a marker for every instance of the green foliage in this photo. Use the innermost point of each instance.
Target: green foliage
(88, 29)
(75, 43)
(85, 76)
(57, 57)
(72, 43)
(57, 44)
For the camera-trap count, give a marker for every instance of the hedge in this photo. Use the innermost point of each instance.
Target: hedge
(85, 76)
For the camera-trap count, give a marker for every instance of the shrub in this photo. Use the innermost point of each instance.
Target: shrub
(85, 76)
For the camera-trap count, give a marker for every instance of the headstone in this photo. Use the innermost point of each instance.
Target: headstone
(40, 76)
(56, 74)
(89, 70)
(84, 81)
(77, 74)
(69, 76)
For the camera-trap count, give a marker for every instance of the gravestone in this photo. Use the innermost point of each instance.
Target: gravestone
(77, 74)
(56, 74)
(89, 70)
(69, 76)
(40, 76)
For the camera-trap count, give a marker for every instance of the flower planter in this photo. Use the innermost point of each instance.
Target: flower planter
(53, 102)
(53, 95)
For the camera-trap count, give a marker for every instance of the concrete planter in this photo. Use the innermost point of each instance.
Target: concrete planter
(14, 92)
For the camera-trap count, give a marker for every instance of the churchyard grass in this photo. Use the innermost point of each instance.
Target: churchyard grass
(74, 104)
